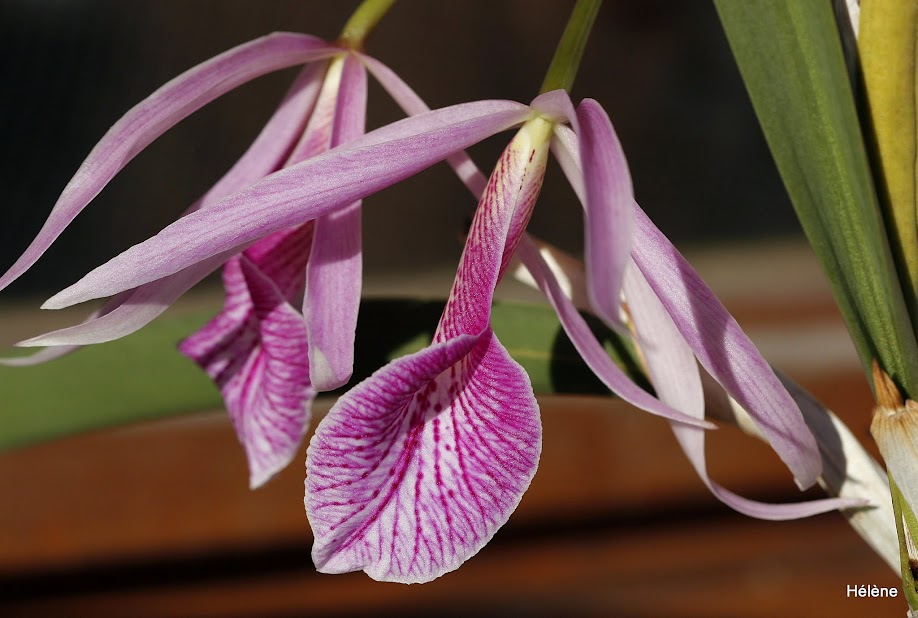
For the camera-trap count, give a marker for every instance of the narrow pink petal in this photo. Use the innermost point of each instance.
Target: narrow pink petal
(674, 373)
(567, 270)
(609, 198)
(156, 114)
(334, 270)
(671, 364)
(415, 469)
(590, 350)
(316, 138)
(313, 188)
(712, 333)
(332, 301)
(724, 349)
(256, 351)
(137, 308)
(131, 311)
(412, 104)
(401, 93)
(276, 140)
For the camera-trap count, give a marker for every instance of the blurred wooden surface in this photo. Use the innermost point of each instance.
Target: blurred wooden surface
(157, 520)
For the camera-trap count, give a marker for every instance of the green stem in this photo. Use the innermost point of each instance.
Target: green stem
(362, 22)
(906, 527)
(564, 65)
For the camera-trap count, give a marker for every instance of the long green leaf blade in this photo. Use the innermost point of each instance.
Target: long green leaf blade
(791, 60)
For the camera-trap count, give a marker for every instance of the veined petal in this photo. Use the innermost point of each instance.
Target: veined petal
(280, 259)
(724, 349)
(674, 374)
(414, 470)
(499, 222)
(159, 112)
(231, 346)
(608, 205)
(590, 350)
(256, 351)
(334, 270)
(313, 188)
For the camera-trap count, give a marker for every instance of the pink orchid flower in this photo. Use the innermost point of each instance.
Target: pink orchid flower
(414, 469)
(267, 360)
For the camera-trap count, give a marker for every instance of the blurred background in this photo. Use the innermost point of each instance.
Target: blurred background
(156, 519)
(662, 70)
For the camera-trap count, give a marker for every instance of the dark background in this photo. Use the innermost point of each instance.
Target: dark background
(662, 70)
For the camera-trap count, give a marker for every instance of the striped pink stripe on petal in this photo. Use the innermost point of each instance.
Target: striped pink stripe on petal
(256, 351)
(414, 470)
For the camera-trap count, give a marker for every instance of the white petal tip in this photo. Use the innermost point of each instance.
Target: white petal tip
(257, 480)
(55, 302)
(34, 342)
(321, 374)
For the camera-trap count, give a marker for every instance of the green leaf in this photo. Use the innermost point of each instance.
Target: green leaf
(137, 378)
(143, 376)
(790, 56)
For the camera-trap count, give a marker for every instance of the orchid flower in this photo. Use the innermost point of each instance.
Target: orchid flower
(267, 360)
(413, 471)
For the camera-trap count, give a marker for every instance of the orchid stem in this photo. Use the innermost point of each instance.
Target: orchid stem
(563, 69)
(362, 22)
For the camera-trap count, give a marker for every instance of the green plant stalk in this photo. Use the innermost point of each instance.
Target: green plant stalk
(362, 22)
(886, 47)
(563, 68)
(790, 57)
(906, 525)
